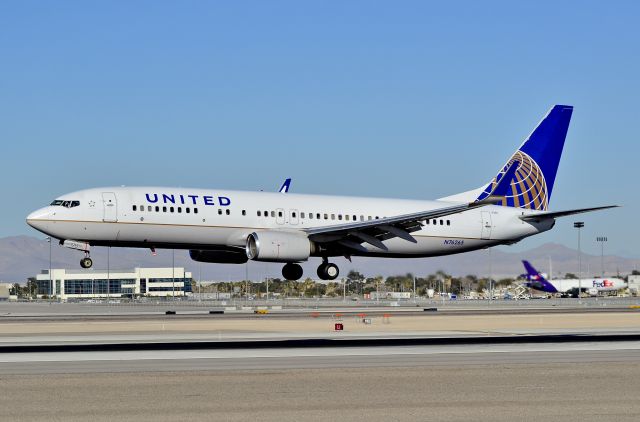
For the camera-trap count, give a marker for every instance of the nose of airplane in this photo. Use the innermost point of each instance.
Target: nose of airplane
(39, 217)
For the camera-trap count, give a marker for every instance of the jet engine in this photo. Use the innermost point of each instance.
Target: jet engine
(278, 246)
(222, 256)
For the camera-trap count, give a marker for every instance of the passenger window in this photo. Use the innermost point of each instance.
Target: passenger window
(259, 214)
(435, 222)
(310, 216)
(157, 208)
(180, 210)
(266, 213)
(354, 218)
(346, 217)
(273, 213)
(244, 212)
(279, 213)
(441, 222)
(377, 218)
(339, 216)
(227, 212)
(427, 221)
(301, 215)
(171, 209)
(369, 217)
(188, 210)
(195, 210)
(164, 209)
(448, 222)
(333, 216)
(219, 211)
(362, 218)
(134, 207)
(293, 214)
(318, 216)
(149, 208)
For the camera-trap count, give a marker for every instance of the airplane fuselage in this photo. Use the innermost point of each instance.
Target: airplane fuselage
(157, 217)
(595, 285)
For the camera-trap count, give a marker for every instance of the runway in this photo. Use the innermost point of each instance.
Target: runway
(573, 366)
(449, 383)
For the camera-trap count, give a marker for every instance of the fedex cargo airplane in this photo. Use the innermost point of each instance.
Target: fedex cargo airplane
(594, 286)
(224, 226)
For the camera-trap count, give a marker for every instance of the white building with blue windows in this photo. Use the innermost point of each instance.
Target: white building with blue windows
(138, 282)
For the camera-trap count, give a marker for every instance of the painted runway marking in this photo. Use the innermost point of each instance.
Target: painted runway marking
(312, 352)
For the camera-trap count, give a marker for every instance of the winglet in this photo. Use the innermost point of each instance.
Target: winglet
(285, 186)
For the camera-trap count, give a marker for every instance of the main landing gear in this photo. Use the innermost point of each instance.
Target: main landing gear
(86, 262)
(292, 271)
(326, 271)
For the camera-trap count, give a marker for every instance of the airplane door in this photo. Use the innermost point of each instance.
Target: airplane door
(110, 207)
(293, 217)
(486, 225)
(280, 216)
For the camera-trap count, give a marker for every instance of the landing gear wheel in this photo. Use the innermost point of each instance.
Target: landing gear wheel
(328, 271)
(292, 272)
(86, 262)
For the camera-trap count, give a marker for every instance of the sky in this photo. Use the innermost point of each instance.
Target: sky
(396, 99)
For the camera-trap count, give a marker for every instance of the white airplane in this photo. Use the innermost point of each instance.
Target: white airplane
(593, 286)
(222, 226)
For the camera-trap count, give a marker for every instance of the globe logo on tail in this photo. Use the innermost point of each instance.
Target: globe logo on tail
(528, 188)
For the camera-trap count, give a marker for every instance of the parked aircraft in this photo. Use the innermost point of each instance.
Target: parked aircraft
(593, 286)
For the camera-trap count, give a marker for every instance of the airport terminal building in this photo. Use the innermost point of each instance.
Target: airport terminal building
(149, 282)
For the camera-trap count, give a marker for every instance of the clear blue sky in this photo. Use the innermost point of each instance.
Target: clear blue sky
(400, 99)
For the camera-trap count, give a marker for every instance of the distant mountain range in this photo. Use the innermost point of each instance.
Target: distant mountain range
(23, 256)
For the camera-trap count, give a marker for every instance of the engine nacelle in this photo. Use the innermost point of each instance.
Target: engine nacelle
(278, 246)
(219, 256)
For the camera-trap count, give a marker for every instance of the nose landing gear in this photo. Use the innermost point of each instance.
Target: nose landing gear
(86, 262)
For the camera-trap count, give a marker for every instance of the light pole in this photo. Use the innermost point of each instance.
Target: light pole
(108, 273)
(415, 300)
(490, 277)
(173, 273)
(579, 225)
(344, 289)
(199, 281)
(601, 240)
(50, 280)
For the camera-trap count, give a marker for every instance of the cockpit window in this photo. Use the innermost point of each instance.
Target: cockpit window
(66, 204)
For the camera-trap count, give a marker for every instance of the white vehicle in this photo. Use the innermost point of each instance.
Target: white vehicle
(593, 286)
(222, 226)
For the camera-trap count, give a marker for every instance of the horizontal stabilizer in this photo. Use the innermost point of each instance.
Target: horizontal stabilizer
(555, 214)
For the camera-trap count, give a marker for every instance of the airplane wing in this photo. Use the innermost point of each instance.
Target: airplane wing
(374, 232)
(555, 214)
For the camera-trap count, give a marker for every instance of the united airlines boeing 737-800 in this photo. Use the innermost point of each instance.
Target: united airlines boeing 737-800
(222, 226)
